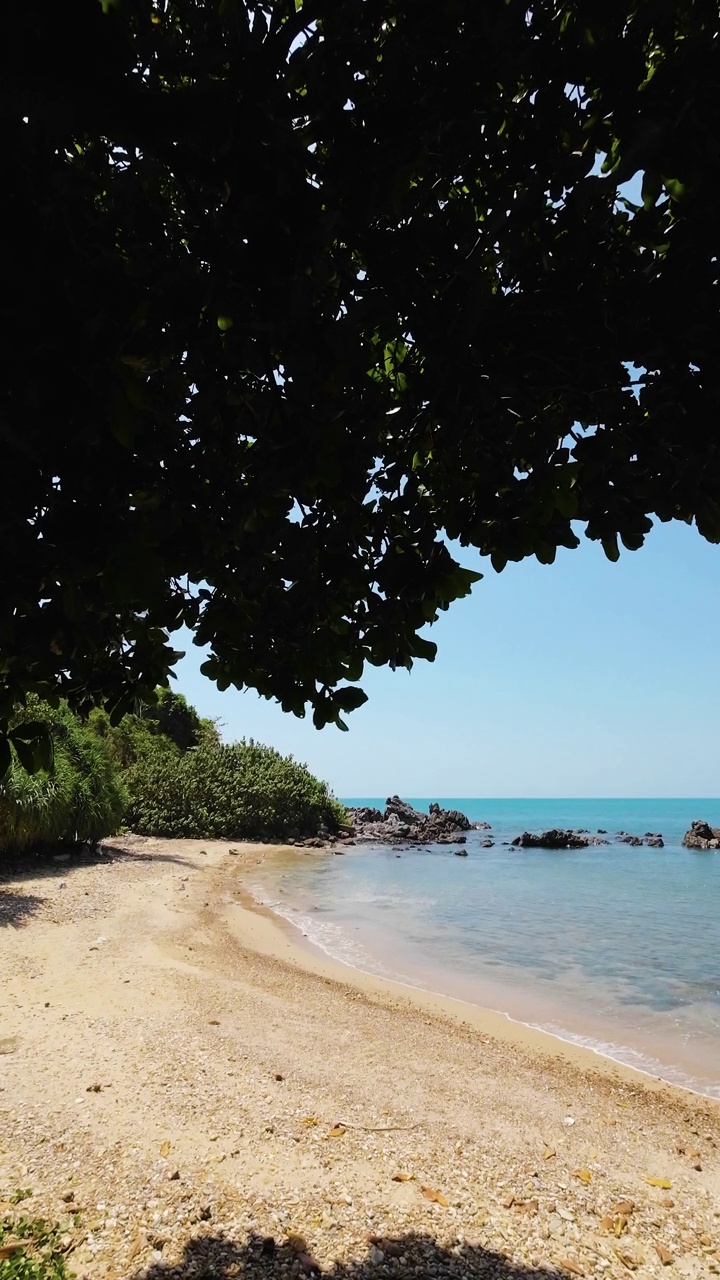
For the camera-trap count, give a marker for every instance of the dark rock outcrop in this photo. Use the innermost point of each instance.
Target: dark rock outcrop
(400, 823)
(449, 817)
(702, 836)
(556, 839)
(367, 815)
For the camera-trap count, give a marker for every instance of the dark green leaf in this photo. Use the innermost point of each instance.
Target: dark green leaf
(349, 699)
(5, 756)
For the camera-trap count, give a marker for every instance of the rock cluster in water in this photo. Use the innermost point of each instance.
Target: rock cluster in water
(702, 836)
(651, 838)
(400, 823)
(557, 838)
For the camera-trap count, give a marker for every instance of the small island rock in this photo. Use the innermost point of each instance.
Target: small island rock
(400, 822)
(555, 839)
(702, 836)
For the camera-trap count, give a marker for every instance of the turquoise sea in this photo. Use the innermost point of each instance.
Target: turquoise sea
(613, 947)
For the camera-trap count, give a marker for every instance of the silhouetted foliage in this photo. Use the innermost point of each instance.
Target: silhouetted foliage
(292, 289)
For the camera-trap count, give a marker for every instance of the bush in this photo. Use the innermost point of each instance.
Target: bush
(80, 800)
(164, 772)
(169, 726)
(241, 792)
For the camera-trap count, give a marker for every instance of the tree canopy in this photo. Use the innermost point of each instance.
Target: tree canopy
(294, 291)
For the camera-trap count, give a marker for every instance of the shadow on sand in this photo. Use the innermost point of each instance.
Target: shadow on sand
(62, 860)
(403, 1257)
(16, 908)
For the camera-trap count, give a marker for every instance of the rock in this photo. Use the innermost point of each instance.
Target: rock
(555, 839)
(488, 844)
(702, 836)
(655, 842)
(453, 817)
(365, 814)
(626, 839)
(403, 812)
(460, 853)
(401, 823)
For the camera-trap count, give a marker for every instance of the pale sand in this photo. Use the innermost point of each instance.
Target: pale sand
(210, 1026)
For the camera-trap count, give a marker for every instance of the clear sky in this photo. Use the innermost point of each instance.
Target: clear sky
(582, 678)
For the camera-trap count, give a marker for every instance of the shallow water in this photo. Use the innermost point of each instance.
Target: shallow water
(613, 947)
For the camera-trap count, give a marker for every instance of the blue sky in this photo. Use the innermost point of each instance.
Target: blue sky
(582, 678)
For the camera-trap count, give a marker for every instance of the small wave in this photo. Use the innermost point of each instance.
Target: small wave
(628, 1057)
(336, 940)
(355, 899)
(332, 939)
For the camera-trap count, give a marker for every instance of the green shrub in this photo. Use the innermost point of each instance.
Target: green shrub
(81, 799)
(241, 792)
(171, 725)
(173, 717)
(183, 782)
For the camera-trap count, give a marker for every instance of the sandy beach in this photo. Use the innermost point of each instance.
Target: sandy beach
(190, 1090)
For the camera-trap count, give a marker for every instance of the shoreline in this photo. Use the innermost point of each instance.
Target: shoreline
(485, 1015)
(183, 1079)
(284, 940)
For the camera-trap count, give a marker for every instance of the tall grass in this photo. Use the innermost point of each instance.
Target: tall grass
(80, 800)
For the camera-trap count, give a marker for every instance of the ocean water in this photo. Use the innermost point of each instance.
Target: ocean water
(613, 947)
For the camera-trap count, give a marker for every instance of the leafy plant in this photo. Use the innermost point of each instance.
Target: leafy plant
(169, 726)
(30, 1249)
(245, 791)
(79, 799)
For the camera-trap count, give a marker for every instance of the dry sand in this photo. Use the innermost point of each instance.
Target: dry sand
(191, 1091)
